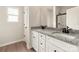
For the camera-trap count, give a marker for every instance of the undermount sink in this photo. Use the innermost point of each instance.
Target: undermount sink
(64, 35)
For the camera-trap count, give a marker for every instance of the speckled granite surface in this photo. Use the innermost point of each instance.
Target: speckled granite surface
(51, 32)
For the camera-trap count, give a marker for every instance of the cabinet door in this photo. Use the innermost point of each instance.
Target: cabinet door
(50, 47)
(65, 46)
(35, 40)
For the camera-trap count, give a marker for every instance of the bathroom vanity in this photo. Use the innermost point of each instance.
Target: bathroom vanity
(49, 40)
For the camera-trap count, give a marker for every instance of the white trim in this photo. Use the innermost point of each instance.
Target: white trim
(11, 42)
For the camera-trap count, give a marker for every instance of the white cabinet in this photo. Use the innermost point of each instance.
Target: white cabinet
(34, 40)
(41, 42)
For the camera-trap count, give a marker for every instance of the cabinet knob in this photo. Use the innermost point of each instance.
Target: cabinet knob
(33, 37)
(55, 51)
(41, 43)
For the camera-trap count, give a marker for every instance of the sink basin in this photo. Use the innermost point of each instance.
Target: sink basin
(52, 32)
(64, 36)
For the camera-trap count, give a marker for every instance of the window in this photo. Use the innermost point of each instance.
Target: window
(13, 14)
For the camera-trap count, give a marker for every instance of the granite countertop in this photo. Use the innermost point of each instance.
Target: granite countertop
(50, 32)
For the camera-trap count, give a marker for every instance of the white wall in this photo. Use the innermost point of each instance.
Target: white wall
(9, 31)
(58, 9)
(34, 16)
(45, 15)
(62, 9)
(41, 15)
(54, 10)
(52, 19)
(73, 18)
(49, 16)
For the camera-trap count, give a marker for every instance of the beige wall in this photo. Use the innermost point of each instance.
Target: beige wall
(9, 31)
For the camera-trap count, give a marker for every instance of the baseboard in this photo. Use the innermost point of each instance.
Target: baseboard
(11, 42)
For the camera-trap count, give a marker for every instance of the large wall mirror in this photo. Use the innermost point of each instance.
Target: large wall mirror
(61, 20)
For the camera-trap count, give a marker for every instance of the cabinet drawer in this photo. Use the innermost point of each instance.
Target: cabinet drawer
(42, 47)
(42, 42)
(34, 33)
(34, 37)
(41, 36)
